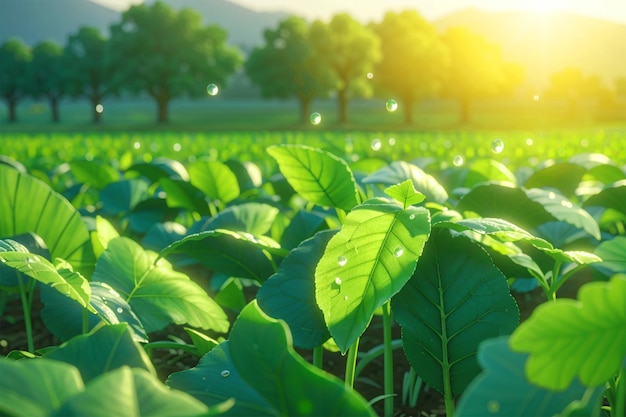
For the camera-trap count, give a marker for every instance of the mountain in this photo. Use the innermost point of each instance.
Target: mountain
(37, 20)
(547, 43)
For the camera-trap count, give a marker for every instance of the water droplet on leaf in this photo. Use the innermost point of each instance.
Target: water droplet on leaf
(225, 373)
(342, 260)
(398, 252)
(119, 310)
(566, 203)
(338, 281)
(345, 298)
(412, 217)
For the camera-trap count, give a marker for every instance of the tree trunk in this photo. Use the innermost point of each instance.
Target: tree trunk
(408, 111)
(342, 103)
(12, 110)
(162, 103)
(97, 116)
(54, 107)
(305, 109)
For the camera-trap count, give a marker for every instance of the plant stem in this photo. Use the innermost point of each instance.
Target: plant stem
(85, 320)
(318, 356)
(26, 309)
(351, 363)
(620, 394)
(388, 360)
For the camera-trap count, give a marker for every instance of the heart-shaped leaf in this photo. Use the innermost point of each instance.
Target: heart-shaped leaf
(122, 196)
(613, 254)
(456, 299)
(503, 390)
(157, 294)
(254, 218)
(289, 294)
(584, 338)
(318, 176)
(214, 179)
(96, 173)
(366, 263)
(405, 193)
(564, 177)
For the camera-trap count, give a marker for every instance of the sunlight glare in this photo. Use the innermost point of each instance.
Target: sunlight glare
(545, 6)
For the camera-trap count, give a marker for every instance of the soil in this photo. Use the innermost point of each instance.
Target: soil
(369, 383)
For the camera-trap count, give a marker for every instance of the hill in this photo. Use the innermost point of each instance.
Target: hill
(547, 43)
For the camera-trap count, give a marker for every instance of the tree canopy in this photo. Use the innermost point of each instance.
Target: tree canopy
(349, 50)
(168, 54)
(414, 58)
(287, 65)
(15, 56)
(48, 75)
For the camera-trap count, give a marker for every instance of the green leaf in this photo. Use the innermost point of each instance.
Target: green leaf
(301, 227)
(237, 254)
(214, 179)
(29, 205)
(503, 390)
(254, 218)
(108, 348)
(122, 196)
(405, 193)
(289, 294)
(366, 263)
(584, 338)
(318, 176)
(157, 294)
(64, 280)
(611, 197)
(96, 173)
(562, 209)
(127, 392)
(181, 194)
(35, 388)
(399, 171)
(103, 234)
(160, 168)
(456, 299)
(564, 177)
(613, 254)
(202, 342)
(488, 170)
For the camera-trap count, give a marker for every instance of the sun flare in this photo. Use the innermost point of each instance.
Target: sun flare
(544, 6)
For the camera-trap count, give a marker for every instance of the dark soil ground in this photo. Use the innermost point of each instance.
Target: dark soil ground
(369, 383)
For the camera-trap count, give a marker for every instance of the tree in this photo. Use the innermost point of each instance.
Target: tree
(477, 69)
(349, 50)
(286, 66)
(168, 54)
(15, 57)
(48, 76)
(413, 58)
(90, 71)
(572, 85)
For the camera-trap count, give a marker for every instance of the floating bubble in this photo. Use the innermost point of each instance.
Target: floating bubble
(225, 373)
(370, 75)
(458, 160)
(342, 260)
(497, 145)
(136, 145)
(212, 89)
(529, 141)
(536, 97)
(177, 147)
(391, 105)
(4, 343)
(392, 141)
(376, 144)
(315, 118)
(99, 108)
(398, 252)
(338, 281)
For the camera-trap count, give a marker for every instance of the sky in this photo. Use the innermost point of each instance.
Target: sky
(373, 10)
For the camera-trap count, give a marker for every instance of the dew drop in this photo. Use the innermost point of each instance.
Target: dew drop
(529, 141)
(177, 147)
(204, 378)
(225, 373)
(551, 195)
(412, 217)
(493, 406)
(119, 310)
(370, 75)
(342, 260)
(212, 89)
(345, 298)
(457, 160)
(315, 118)
(398, 252)
(338, 281)
(566, 203)
(392, 141)
(391, 105)
(99, 108)
(497, 145)
(376, 144)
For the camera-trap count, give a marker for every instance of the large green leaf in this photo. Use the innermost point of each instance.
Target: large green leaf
(260, 369)
(563, 209)
(237, 254)
(584, 338)
(34, 388)
(289, 294)
(611, 197)
(302, 226)
(61, 278)
(400, 171)
(96, 173)
(503, 390)
(214, 179)
(157, 294)
(318, 176)
(131, 392)
(122, 196)
(487, 170)
(29, 205)
(161, 168)
(254, 218)
(564, 177)
(182, 194)
(366, 263)
(104, 350)
(456, 299)
(613, 254)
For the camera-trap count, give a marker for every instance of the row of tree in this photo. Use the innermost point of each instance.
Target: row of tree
(165, 54)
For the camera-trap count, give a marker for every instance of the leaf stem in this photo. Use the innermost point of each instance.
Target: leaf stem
(85, 320)
(351, 363)
(318, 356)
(620, 394)
(388, 360)
(26, 309)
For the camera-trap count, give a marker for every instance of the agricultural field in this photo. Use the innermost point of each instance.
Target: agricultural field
(313, 272)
